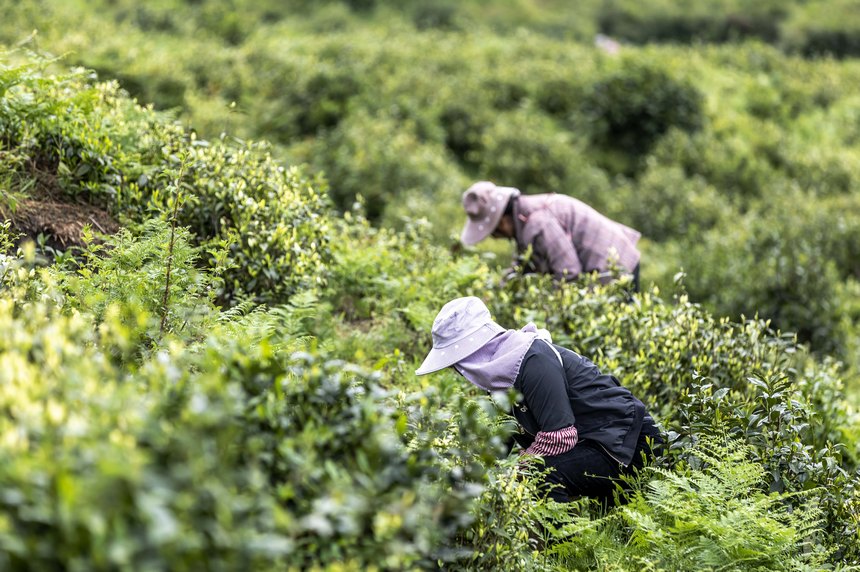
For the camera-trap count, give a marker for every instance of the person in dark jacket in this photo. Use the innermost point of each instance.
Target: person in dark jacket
(587, 427)
(566, 236)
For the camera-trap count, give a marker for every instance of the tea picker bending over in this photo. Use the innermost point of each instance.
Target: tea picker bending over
(587, 427)
(567, 237)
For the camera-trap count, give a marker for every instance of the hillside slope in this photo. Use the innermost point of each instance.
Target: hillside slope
(157, 416)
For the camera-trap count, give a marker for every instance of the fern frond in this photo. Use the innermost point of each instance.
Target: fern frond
(238, 311)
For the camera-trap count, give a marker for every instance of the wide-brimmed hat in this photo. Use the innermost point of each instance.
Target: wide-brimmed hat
(484, 203)
(461, 328)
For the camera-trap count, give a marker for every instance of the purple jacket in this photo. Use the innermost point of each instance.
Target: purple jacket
(569, 237)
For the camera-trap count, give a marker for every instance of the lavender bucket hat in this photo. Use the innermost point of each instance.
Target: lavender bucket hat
(484, 203)
(461, 328)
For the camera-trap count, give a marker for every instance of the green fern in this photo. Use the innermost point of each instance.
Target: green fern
(711, 516)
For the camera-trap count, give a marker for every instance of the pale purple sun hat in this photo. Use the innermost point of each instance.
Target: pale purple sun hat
(484, 203)
(461, 328)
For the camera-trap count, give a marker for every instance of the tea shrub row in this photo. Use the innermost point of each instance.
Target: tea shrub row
(222, 441)
(68, 136)
(674, 140)
(811, 28)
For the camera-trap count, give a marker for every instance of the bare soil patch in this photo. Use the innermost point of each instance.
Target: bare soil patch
(49, 211)
(61, 223)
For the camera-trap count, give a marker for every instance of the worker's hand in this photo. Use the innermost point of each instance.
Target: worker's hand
(524, 460)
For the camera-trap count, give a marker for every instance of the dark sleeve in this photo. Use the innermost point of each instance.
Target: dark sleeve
(544, 388)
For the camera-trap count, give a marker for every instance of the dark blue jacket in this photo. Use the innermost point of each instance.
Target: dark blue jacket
(555, 397)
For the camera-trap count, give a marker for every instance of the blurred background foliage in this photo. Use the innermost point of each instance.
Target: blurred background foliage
(227, 382)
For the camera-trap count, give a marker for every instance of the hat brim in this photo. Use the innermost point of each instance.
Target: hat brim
(442, 357)
(477, 230)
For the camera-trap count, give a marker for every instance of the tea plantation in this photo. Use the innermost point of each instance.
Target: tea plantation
(228, 226)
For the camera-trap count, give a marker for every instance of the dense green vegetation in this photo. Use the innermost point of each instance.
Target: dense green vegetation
(750, 146)
(226, 383)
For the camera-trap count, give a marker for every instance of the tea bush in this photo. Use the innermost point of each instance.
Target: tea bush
(85, 140)
(788, 268)
(526, 151)
(335, 451)
(700, 376)
(225, 434)
(376, 158)
(63, 130)
(218, 446)
(105, 480)
(273, 219)
(317, 100)
(821, 28)
(464, 123)
(824, 29)
(387, 287)
(632, 106)
(712, 21)
(665, 204)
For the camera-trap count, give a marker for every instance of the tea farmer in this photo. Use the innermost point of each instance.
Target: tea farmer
(586, 426)
(567, 236)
